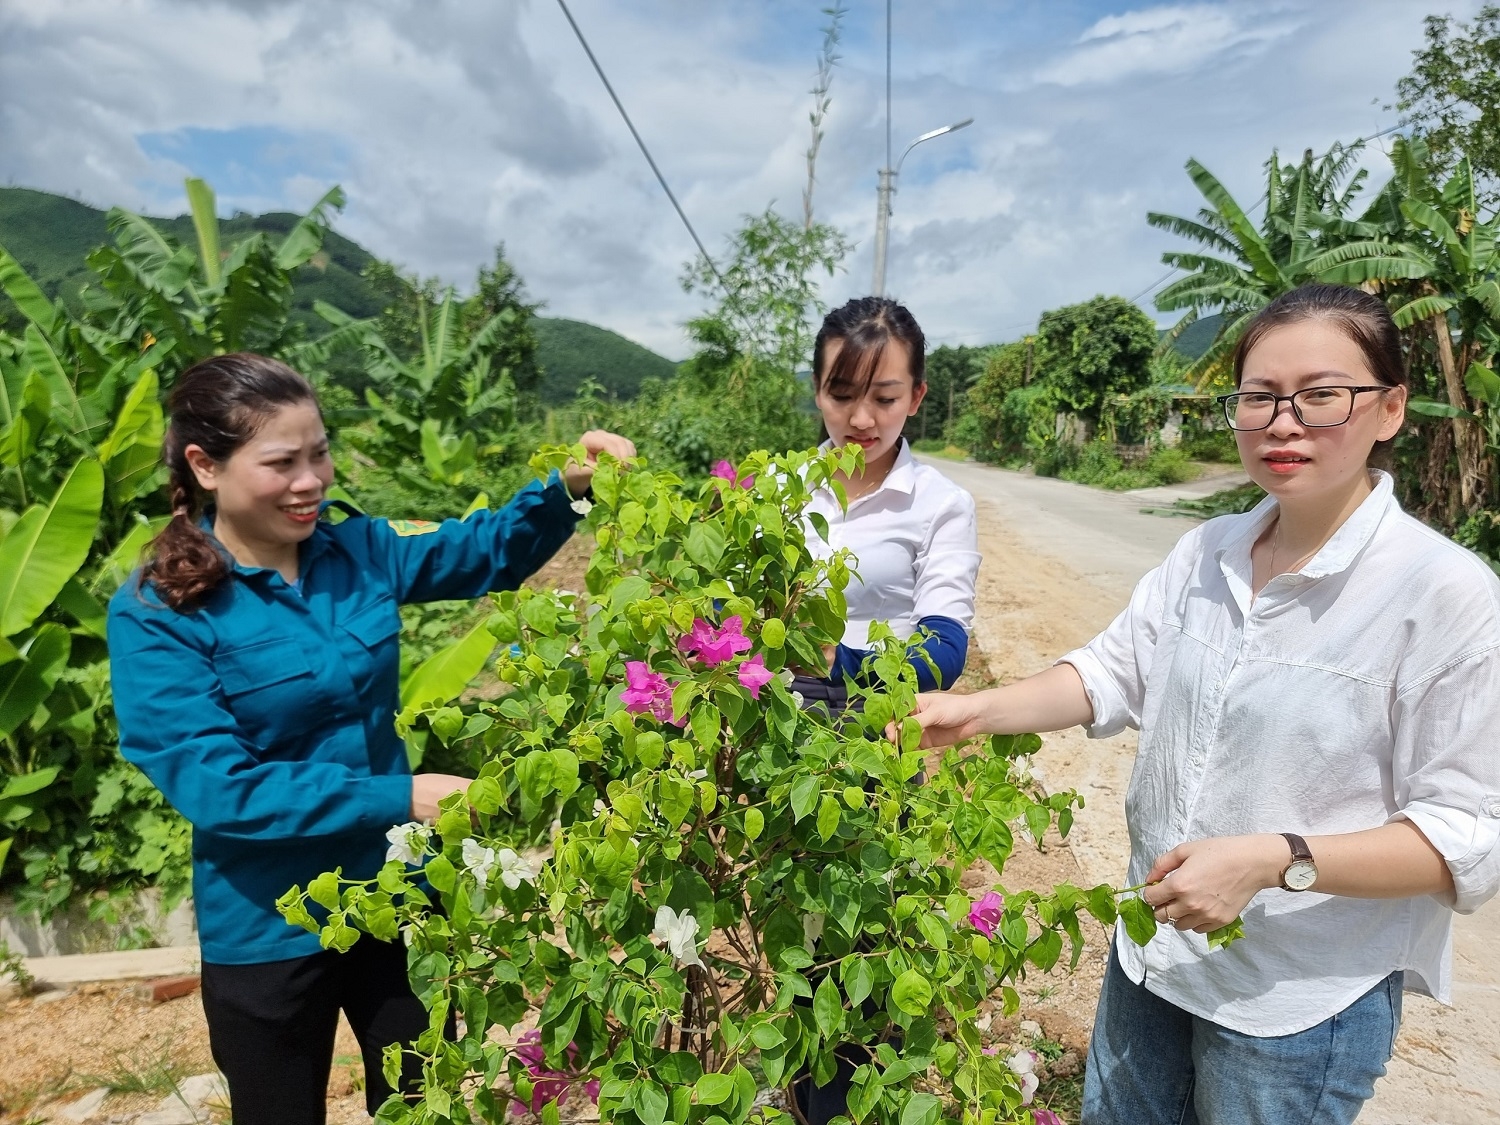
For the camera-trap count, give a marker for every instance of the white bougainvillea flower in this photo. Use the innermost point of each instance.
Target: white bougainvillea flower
(679, 933)
(812, 930)
(1024, 1065)
(408, 842)
(786, 677)
(582, 507)
(515, 870)
(600, 808)
(698, 775)
(480, 862)
(797, 699)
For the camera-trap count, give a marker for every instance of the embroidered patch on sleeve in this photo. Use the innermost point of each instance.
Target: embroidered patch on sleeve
(413, 527)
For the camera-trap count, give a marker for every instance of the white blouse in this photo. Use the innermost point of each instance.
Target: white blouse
(1363, 689)
(916, 539)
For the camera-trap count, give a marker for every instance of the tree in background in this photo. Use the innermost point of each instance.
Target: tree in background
(951, 371)
(981, 427)
(1452, 95)
(1089, 352)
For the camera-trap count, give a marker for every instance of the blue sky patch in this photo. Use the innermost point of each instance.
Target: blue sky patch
(250, 162)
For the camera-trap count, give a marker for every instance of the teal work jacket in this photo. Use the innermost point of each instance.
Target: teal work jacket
(266, 715)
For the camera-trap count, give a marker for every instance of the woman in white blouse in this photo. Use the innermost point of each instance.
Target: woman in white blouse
(1317, 687)
(912, 530)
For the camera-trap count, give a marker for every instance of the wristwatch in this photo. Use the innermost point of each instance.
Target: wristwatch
(1302, 872)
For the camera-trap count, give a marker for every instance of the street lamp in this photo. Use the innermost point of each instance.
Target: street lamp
(883, 200)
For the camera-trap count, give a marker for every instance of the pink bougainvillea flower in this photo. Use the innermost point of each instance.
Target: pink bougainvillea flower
(984, 915)
(646, 692)
(726, 471)
(1041, 1117)
(548, 1084)
(754, 675)
(713, 645)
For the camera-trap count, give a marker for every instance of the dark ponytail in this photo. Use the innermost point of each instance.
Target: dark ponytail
(865, 324)
(218, 405)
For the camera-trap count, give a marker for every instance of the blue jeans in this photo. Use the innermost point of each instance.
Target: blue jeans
(1151, 1063)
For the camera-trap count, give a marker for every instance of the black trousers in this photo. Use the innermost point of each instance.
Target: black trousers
(271, 1028)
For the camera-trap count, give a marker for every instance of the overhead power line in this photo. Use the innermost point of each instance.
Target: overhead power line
(681, 214)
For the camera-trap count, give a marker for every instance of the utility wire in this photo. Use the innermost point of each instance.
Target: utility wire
(681, 214)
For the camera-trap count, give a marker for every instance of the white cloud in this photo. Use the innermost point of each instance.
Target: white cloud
(456, 125)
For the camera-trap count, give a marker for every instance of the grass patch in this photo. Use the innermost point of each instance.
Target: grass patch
(1099, 465)
(1225, 502)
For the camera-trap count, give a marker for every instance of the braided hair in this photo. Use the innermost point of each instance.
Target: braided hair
(218, 405)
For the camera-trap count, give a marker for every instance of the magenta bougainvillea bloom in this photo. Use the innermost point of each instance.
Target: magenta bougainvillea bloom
(646, 692)
(1045, 1117)
(984, 915)
(548, 1084)
(715, 646)
(725, 471)
(754, 675)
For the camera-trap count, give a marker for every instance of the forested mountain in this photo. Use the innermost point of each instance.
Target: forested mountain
(52, 235)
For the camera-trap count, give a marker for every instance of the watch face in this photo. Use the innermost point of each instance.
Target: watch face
(1301, 875)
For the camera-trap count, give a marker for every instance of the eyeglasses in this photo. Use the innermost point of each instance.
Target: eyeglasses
(1315, 407)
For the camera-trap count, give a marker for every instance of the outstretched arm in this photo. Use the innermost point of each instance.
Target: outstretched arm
(1050, 700)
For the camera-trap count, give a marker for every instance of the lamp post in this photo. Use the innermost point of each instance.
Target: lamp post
(883, 195)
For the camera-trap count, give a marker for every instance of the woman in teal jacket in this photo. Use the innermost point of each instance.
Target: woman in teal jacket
(255, 665)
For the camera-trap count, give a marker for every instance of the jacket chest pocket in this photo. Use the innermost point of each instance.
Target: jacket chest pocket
(271, 689)
(372, 650)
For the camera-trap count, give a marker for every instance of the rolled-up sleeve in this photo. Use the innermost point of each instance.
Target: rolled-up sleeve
(1115, 664)
(487, 552)
(1446, 772)
(948, 563)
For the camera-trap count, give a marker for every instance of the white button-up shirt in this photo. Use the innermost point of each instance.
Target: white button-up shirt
(916, 539)
(1363, 689)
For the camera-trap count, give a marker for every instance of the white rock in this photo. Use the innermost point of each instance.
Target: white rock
(202, 1089)
(84, 1108)
(171, 1112)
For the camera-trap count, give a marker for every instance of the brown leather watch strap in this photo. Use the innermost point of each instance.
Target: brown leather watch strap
(1300, 850)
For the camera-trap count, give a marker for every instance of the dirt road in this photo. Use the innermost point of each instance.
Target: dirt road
(1060, 561)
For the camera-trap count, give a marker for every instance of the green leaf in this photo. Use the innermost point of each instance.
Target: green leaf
(444, 675)
(650, 1102)
(921, 1109)
(680, 1068)
(828, 1008)
(17, 284)
(858, 978)
(773, 633)
(1433, 408)
(829, 812)
(306, 238)
(755, 823)
(912, 993)
(1140, 921)
(714, 1089)
(25, 784)
(1483, 384)
(26, 683)
(804, 795)
(47, 546)
(705, 545)
(1225, 935)
(324, 890)
(206, 225)
(5, 851)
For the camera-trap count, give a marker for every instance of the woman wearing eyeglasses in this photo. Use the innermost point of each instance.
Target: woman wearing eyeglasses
(1317, 687)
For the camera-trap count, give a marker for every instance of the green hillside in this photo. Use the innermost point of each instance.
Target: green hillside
(51, 235)
(572, 351)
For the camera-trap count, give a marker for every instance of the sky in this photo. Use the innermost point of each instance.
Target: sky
(454, 125)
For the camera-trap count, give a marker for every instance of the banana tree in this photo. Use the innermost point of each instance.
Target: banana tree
(1443, 281)
(1246, 265)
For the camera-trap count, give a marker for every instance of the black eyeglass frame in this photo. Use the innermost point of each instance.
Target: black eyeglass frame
(1227, 401)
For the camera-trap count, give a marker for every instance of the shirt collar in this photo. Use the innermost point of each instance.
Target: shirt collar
(310, 548)
(1334, 557)
(903, 475)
